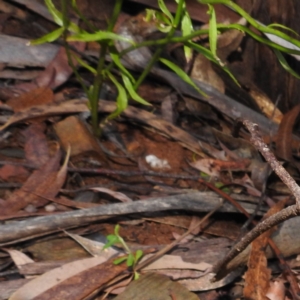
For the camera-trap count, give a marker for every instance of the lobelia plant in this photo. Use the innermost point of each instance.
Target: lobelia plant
(271, 36)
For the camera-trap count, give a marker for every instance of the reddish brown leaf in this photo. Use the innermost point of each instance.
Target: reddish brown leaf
(13, 173)
(257, 278)
(36, 146)
(36, 97)
(44, 182)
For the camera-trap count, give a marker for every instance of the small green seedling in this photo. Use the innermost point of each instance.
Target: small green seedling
(131, 258)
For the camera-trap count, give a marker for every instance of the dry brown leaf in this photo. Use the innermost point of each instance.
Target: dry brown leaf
(156, 286)
(13, 173)
(174, 262)
(75, 280)
(73, 133)
(36, 145)
(213, 167)
(120, 196)
(258, 275)
(44, 182)
(266, 105)
(51, 109)
(276, 290)
(33, 98)
(203, 71)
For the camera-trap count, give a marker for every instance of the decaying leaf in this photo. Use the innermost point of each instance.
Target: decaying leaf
(42, 184)
(257, 278)
(74, 280)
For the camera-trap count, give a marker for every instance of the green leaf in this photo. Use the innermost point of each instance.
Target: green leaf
(119, 260)
(57, 15)
(116, 59)
(165, 10)
(85, 65)
(122, 99)
(112, 239)
(181, 74)
(274, 25)
(187, 28)
(136, 275)
(99, 36)
(207, 53)
(132, 92)
(130, 260)
(213, 33)
(117, 229)
(284, 64)
(48, 38)
(138, 254)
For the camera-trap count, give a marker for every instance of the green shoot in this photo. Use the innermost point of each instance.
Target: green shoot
(131, 258)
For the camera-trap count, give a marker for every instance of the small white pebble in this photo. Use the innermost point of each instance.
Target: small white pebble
(50, 208)
(156, 162)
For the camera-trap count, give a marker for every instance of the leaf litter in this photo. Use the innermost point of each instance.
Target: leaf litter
(45, 120)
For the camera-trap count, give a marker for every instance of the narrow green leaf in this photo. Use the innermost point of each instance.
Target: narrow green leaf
(187, 29)
(284, 64)
(181, 74)
(85, 65)
(116, 59)
(57, 15)
(133, 94)
(48, 38)
(274, 25)
(118, 261)
(212, 32)
(98, 36)
(165, 10)
(122, 99)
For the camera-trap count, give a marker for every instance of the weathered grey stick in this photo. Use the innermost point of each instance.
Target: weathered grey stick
(199, 202)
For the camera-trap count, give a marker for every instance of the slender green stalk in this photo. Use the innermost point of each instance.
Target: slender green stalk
(99, 78)
(67, 47)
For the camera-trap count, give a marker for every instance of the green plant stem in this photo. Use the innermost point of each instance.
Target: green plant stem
(158, 52)
(99, 78)
(67, 46)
